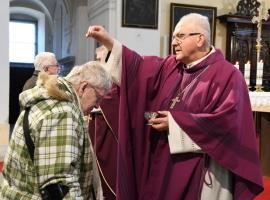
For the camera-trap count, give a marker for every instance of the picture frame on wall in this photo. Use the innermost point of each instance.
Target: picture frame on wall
(140, 13)
(179, 10)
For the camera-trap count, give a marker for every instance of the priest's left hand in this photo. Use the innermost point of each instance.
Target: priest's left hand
(160, 123)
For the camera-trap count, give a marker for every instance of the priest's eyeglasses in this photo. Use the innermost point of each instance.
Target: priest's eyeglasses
(181, 36)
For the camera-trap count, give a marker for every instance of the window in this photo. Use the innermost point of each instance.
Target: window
(22, 41)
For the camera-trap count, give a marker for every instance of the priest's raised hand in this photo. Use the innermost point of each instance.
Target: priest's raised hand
(101, 35)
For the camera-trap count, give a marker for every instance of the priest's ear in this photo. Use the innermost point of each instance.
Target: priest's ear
(201, 40)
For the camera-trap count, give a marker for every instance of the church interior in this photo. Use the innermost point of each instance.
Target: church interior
(240, 28)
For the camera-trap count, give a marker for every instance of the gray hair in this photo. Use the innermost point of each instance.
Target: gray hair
(92, 72)
(198, 23)
(43, 59)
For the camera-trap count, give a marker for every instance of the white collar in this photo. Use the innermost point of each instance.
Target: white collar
(213, 50)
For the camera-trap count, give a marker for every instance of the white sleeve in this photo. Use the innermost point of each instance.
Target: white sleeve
(179, 141)
(114, 63)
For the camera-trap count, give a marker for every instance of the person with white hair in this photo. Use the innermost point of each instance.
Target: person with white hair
(56, 162)
(44, 62)
(103, 132)
(202, 143)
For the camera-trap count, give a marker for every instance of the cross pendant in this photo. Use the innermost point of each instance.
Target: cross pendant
(174, 101)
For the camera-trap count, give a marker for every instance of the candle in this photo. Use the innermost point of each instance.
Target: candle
(247, 72)
(247, 81)
(259, 73)
(260, 65)
(258, 81)
(237, 65)
(247, 66)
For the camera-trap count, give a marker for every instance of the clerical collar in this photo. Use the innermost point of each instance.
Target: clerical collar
(213, 50)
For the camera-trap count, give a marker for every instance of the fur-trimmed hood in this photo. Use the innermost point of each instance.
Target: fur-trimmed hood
(47, 87)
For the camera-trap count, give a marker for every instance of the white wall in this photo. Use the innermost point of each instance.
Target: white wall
(99, 13)
(156, 41)
(4, 61)
(4, 73)
(144, 41)
(109, 14)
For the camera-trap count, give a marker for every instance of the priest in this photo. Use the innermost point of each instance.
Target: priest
(202, 144)
(103, 131)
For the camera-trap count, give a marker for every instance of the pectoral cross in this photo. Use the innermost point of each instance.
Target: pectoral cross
(174, 101)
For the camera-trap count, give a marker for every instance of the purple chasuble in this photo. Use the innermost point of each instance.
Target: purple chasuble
(212, 100)
(103, 131)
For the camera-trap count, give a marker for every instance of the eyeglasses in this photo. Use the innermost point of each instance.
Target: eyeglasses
(181, 36)
(55, 65)
(58, 66)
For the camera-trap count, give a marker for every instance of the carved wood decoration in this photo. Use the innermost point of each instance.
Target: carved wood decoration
(241, 41)
(247, 8)
(241, 46)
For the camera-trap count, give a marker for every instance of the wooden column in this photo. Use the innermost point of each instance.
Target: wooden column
(265, 143)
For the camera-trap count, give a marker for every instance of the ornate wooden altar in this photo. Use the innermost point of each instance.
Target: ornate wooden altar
(241, 46)
(241, 40)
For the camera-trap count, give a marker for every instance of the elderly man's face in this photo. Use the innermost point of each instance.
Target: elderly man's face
(185, 43)
(53, 68)
(89, 97)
